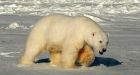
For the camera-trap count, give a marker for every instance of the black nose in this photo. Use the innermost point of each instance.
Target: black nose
(104, 50)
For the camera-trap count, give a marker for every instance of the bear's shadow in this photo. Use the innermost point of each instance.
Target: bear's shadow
(105, 61)
(98, 61)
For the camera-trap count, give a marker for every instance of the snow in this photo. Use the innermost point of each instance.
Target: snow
(119, 18)
(99, 7)
(8, 54)
(121, 58)
(96, 19)
(98, 10)
(15, 25)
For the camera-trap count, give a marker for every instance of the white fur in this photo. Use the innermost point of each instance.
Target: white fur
(67, 34)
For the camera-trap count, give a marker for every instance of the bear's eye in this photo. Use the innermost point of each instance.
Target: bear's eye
(101, 41)
(93, 34)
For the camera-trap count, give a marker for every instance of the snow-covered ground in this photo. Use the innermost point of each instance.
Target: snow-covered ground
(122, 57)
(70, 7)
(119, 18)
(90, 8)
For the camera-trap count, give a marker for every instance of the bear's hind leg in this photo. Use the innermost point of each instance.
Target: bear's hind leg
(86, 56)
(33, 48)
(29, 57)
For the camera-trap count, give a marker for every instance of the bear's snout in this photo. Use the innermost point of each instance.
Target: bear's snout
(103, 50)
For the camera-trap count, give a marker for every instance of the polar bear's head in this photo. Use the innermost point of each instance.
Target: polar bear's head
(99, 41)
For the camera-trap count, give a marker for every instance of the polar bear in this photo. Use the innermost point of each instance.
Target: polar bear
(67, 39)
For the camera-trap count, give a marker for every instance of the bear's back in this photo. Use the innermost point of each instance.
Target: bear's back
(60, 27)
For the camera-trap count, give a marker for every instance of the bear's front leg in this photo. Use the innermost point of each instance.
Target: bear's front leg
(55, 57)
(86, 56)
(69, 57)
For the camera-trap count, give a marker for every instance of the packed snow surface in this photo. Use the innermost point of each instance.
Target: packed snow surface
(71, 7)
(119, 18)
(94, 9)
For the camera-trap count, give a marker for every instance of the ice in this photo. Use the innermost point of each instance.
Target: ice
(42, 7)
(8, 54)
(119, 18)
(12, 6)
(121, 58)
(15, 25)
(98, 10)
